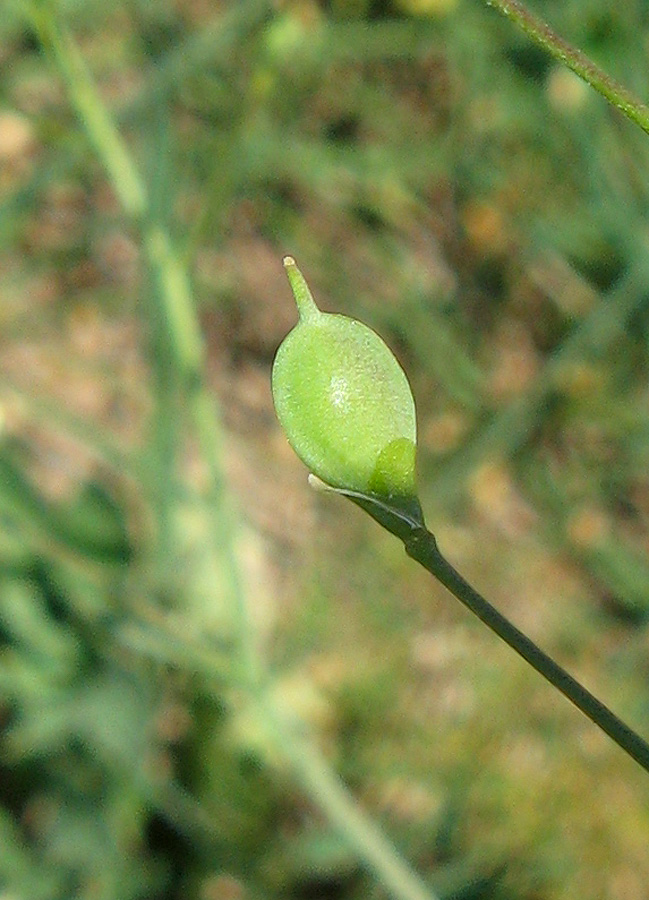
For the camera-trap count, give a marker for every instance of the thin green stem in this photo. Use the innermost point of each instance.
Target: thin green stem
(333, 799)
(85, 98)
(422, 547)
(182, 325)
(541, 33)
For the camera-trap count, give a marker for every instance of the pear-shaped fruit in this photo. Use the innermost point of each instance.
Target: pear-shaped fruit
(344, 402)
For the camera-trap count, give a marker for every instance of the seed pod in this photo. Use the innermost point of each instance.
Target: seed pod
(344, 402)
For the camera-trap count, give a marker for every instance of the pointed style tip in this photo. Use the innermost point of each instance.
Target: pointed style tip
(306, 307)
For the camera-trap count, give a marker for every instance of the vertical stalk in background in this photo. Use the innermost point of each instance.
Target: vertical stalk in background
(100, 128)
(166, 388)
(179, 311)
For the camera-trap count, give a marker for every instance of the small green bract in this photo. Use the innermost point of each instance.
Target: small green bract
(344, 402)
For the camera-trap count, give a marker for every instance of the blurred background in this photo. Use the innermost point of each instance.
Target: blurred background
(437, 176)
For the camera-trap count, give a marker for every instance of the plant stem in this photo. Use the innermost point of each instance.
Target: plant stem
(422, 547)
(541, 33)
(100, 128)
(185, 339)
(343, 813)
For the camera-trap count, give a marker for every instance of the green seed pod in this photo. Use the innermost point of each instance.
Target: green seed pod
(344, 402)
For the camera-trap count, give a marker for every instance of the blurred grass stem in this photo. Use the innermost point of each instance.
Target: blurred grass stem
(541, 33)
(84, 96)
(379, 855)
(185, 338)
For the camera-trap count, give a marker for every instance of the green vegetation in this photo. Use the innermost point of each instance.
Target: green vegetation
(215, 683)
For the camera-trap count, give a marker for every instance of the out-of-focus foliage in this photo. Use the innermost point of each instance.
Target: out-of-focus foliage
(437, 176)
